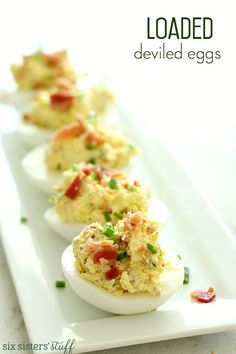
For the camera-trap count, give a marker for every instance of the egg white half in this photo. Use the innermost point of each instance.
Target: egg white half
(32, 136)
(157, 212)
(67, 230)
(170, 280)
(36, 170)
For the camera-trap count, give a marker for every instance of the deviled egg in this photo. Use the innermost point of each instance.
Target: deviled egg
(122, 269)
(40, 70)
(90, 194)
(78, 142)
(54, 109)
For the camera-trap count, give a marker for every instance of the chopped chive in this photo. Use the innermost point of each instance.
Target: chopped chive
(132, 188)
(113, 183)
(90, 146)
(186, 275)
(23, 220)
(94, 176)
(118, 215)
(122, 256)
(178, 255)
(152, 248)
(75, 167)
(108, 230)
(60, 284)
(107, 216)
(92, 161)
(59, 166)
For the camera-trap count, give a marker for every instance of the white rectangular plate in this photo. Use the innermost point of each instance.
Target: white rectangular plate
(33, 251)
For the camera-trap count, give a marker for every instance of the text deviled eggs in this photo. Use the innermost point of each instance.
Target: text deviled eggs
(77, 142)
(122, 269)
(60, 106)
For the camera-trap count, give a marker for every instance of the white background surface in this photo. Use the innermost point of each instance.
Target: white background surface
(191, 106)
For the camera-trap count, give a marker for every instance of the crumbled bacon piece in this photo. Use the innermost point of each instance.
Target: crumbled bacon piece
(73, 130)
(112, 273)
(94, 138)
(62, 99)
(74, 188)
(106, 252)
(132, 221)
(204, 296)
(88, 170)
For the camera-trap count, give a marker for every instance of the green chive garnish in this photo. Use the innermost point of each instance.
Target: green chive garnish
(60, 284)
(23, 220)
(118, 215)
(90, 146)
(107, 216)
(113, 183)
(75, 167)
(153, 249)
(178, 256)
(94, 176)
(59, 166)
(132, 188)
(122, 256)
(186, 275)
(92, 161)
(108, 230)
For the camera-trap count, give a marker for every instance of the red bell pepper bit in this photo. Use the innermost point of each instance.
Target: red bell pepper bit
(111, 172)
(74, 189)
(107, 252)
(62, 99)
(112, 273)
(94, 138)
(204, 296)
(88, 170)
(72, 130)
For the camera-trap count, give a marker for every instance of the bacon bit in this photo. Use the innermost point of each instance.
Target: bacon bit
(91, 246)
(107, 252)
(72, 130)
(141, 249)
(94, 138)
(62, 99)
(52, 59)
(99, 174)
(88, 170)
(108, 210)
(40, 85)
(132, 220)
(136, 183)
(63, 83)
(111, 172)
(112, 273)
(26, 117)
(74, 189)
(126, 185)
(204, 296)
